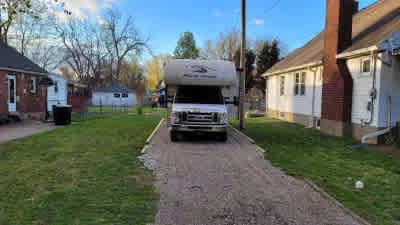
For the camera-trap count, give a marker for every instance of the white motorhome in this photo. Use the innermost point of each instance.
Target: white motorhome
(57, 93)
(199, 94)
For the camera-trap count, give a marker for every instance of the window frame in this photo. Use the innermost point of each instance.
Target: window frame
(33, 85)
(56, 87)
(300, 83)
(362, 64)
(282, 85)
(124, 95)
(117, 94)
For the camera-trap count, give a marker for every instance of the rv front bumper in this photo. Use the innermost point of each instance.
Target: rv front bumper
(199, 128)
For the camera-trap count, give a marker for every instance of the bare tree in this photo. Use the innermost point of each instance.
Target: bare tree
(34, 36)
(227, 44)
(224, 47)
(121, 39)
(74, 47)
(13, 11)
(209, 51)
(66, 72)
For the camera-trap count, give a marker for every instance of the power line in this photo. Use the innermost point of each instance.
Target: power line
(276, 3)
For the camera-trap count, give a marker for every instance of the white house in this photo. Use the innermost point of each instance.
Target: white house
(57, 93)
(345, 81)
(114, 95)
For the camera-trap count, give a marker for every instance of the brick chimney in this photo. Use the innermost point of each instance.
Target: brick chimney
(337, 86)
(356, 7)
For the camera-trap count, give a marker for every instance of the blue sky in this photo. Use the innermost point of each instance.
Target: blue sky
(293, 21)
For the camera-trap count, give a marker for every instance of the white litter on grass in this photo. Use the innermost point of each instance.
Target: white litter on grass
(359, 185)
(148, 161)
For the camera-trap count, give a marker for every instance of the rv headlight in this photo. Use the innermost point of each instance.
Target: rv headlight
(175, 117)
(224, 118)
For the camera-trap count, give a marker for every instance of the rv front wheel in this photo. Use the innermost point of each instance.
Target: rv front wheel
(173, 136)
(224, 137)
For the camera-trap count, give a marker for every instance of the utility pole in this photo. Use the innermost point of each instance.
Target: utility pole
(242, 66)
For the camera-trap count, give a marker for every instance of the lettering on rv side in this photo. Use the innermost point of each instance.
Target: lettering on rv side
(202, 70)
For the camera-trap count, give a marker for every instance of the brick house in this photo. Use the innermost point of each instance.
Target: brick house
(346, 80)
(21, 92)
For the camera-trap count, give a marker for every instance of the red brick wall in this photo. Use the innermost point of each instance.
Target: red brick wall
(3, 95)
(79, 103)
(337, 82)
(28, 102)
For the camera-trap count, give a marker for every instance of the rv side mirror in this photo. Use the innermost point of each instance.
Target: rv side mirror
(236, 101)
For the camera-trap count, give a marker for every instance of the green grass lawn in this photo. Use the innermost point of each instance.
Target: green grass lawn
(86, 173)
(332, 164)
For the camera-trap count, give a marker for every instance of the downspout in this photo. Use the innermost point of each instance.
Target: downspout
(373, 92)
(389, 108)
(314, 70)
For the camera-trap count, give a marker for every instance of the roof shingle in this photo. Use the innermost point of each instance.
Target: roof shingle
(12, 60)
(115, 88)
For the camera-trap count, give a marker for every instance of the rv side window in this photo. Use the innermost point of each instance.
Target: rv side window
(199, 95)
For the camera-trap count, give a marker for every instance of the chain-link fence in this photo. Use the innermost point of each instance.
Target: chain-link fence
(85, 112)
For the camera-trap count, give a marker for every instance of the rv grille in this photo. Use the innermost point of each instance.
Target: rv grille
(206, 118)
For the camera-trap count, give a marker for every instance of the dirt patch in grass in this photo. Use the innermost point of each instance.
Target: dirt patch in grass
(388, 149)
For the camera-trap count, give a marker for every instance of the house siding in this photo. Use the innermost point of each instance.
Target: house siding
(362, 86)
(3, 95)
(109, 99)
(389, 78)
(298, 109)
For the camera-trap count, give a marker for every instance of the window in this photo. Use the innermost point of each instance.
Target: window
(124, 95)
(282, 87)
(300, 84)
(199, 95)
(33, 84)
(56, 87)
(117, 95)
(366, 65)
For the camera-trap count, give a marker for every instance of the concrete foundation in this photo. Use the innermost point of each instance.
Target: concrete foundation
(329, 127)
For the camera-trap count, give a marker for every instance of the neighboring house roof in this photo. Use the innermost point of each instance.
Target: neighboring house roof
(12, 60)
(371, 26)
(57, 75)
(115, 88)
(76, 84)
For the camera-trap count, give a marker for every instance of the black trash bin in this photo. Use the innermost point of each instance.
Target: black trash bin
(62, 114)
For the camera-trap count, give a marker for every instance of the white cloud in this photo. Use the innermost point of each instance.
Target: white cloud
(83, 9)
(257, 21)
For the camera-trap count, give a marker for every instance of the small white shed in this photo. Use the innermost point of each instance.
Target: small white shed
(57, 93)
(114, 95)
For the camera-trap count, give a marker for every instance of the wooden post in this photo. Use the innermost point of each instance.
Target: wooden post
(243, 67)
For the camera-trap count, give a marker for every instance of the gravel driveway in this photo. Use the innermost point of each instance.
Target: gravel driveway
(205, 182)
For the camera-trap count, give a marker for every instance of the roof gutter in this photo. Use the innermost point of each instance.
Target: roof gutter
(22, 71)
(357, 53)
(304, 66)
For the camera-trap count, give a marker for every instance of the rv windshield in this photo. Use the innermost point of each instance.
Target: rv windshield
(199, 95)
